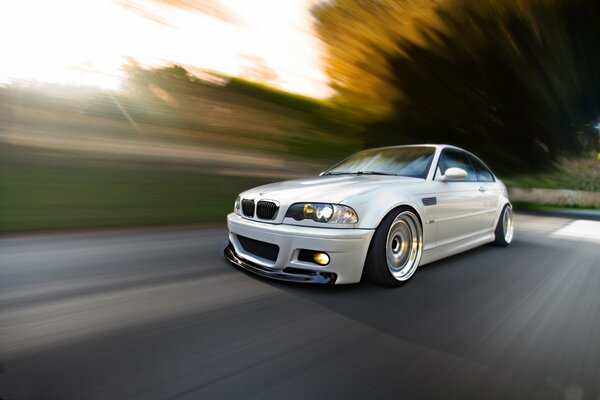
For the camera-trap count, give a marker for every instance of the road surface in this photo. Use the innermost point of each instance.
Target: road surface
(159, 314)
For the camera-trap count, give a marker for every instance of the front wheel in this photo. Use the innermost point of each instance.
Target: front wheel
(396, 248)
(505, 228)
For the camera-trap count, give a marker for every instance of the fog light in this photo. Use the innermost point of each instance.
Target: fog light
(321, 258)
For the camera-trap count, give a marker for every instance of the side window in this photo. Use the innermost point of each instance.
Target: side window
(483, 173)
(457, 159)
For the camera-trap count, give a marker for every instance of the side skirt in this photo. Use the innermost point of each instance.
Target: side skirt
(451, 249)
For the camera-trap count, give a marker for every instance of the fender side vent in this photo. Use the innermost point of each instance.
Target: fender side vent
(429, 201)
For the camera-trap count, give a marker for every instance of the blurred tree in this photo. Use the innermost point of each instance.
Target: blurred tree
(512, 80)
(359, 35)
(589, 135)
(171, 77)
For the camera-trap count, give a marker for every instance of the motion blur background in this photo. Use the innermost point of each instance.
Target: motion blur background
(130, 112)
(140, 113)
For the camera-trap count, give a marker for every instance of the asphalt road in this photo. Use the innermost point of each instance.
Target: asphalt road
(159, 314)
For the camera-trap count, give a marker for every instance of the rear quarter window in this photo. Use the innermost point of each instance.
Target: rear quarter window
(483, 173)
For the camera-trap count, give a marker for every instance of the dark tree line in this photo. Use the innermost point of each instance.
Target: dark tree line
(517, 82)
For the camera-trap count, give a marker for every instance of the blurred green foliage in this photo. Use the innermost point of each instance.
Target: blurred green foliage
(302, 126)
(263, 92)
(515, 81)
(177, 78)
(573, 174)
(48, 193)
(171, 104)
(80, 157)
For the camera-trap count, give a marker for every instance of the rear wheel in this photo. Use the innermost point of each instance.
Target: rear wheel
(396, 248)
(505, 228)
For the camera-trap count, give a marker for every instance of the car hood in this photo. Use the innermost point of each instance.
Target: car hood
(324, 189)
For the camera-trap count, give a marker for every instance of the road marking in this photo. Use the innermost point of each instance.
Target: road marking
(580, 229)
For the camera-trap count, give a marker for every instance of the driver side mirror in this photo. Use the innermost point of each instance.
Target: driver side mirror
(454, 174)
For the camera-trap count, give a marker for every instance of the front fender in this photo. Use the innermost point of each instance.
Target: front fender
(372, 208)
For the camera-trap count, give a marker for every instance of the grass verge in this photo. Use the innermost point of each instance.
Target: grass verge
(576, 174)
(88, 195)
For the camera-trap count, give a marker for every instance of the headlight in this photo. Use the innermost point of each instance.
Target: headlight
(236, 205)
(321, 212)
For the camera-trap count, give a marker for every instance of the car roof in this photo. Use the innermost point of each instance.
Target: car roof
(437, 146)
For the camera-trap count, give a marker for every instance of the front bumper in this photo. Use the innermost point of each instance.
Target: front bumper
(347, 249)
(287, 274)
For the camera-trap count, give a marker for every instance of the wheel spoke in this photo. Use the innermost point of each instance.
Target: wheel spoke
(507, 224)
(403, 246)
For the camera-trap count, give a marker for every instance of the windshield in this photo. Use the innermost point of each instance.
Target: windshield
(402, 161)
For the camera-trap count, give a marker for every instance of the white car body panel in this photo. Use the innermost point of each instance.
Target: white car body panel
(464, 216)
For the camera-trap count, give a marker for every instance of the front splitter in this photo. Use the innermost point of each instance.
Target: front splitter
(286, 274)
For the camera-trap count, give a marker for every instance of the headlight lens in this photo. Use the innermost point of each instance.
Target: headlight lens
(237, 205)
(322, 212)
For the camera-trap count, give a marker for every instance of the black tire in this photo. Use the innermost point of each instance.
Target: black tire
(504, 228)
(377, 267)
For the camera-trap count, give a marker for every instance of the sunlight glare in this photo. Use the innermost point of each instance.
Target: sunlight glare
(64, 41)
(87, 42)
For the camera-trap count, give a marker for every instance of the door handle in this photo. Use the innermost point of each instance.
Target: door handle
(482, 189)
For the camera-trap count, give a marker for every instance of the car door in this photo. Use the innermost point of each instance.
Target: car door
(459, 202)
(489, 193)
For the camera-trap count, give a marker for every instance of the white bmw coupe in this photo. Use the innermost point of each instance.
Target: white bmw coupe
(380, 213)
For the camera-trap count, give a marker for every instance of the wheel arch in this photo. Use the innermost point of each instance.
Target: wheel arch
(501, 204)
(406, 205)
(395, 209)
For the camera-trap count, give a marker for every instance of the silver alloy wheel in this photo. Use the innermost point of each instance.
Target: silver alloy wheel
(507, 224)
(404, 245)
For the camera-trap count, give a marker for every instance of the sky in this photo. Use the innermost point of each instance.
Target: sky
(86, 42)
